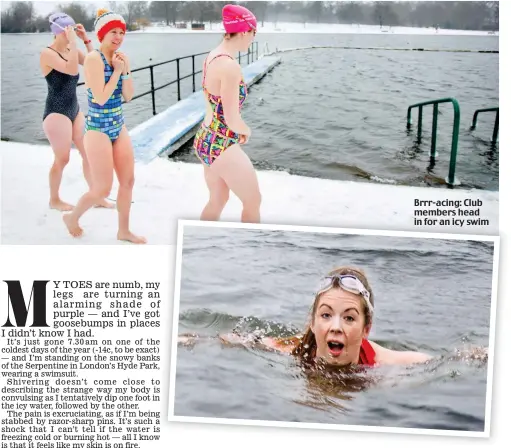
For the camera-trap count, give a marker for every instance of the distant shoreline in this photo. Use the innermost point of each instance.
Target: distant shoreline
(313, 28)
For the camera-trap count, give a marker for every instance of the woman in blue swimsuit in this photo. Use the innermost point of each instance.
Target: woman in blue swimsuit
(62, 120)
(107, 142)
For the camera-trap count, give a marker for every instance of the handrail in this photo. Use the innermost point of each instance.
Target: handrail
(252, 50)
(455, 132)
(495, 126)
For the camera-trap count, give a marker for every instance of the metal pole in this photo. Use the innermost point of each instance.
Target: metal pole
(193, 71)
(248, 56)
(409, 118)
(454, 145)
(495, 130)
(474, 120)
(239, 57)
(178, 81)
(433, 131)
(152, 89)
(419, 129)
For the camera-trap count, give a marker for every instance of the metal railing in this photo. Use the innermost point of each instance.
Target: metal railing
(253, 52)
(455, 132)
(495, 127)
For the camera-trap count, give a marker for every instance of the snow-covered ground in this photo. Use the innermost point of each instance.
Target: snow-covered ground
(166, 191)
(324, 28)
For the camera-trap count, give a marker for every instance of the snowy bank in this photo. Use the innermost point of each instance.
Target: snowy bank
(166, 191)
(320, 28)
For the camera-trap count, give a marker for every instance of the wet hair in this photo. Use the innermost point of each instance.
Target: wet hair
(305, 349)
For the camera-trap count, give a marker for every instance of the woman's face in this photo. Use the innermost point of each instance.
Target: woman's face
(339, 327)
(114, 38)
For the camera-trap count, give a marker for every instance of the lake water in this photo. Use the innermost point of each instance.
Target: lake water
(329, 113)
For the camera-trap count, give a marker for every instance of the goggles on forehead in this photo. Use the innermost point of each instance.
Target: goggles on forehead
(252, 27)
(60, 26)
(347, 282)
(247, 21)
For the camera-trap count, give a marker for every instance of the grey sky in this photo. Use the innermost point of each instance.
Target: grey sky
(43, 8)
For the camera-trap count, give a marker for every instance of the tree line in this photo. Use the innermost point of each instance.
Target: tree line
(465, 15)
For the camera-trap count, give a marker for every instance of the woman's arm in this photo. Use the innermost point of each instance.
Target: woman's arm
(283, 345)
(52, 59)
(385, 356)
(230, 77)
(95, 78)
(127, 81)
(82, 34)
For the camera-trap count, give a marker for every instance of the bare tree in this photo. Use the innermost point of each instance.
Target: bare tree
(259, 9)
(80, 14)
(18, 18)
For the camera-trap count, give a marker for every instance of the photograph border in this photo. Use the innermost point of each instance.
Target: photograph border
(337, 231)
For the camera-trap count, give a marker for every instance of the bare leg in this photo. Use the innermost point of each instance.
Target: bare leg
(78, 132)
(218, 196)
(124, 165)
(58, 130)
(99, 156)
(236, 169)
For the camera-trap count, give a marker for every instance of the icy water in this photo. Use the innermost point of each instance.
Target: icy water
(328, 113)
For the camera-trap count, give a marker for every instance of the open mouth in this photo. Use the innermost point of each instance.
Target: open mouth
(335, 348)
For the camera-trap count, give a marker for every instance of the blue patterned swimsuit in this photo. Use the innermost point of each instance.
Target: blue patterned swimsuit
(108, 118)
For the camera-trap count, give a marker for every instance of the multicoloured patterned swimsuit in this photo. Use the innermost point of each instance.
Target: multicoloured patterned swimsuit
(213, 139)
(108, 118)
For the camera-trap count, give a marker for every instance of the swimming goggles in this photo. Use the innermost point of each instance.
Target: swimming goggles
(347, 282)
(61, 27)
(252, 27)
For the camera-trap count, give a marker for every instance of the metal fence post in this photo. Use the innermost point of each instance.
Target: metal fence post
(193, 71)
(495, 129)
(178, 81)
(454, 145)
(433, 131)
(152, 89)
(419, 126)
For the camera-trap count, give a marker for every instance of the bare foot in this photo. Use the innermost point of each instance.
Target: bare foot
(131, 238)
(72, 226)
(104, 204)
(61, 206)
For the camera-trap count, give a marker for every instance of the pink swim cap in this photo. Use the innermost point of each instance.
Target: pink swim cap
(238, 19)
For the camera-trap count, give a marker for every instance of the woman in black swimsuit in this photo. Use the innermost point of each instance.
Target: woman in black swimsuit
(63, 123)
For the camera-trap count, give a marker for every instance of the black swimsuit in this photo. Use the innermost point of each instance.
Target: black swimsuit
(61, 97)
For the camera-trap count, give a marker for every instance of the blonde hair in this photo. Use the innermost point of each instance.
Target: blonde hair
(305, 349)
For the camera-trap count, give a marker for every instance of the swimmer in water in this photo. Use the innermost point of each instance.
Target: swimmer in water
(63, 122)
(338, 329)
(339, 326)
(107, 142)
(218, 141)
